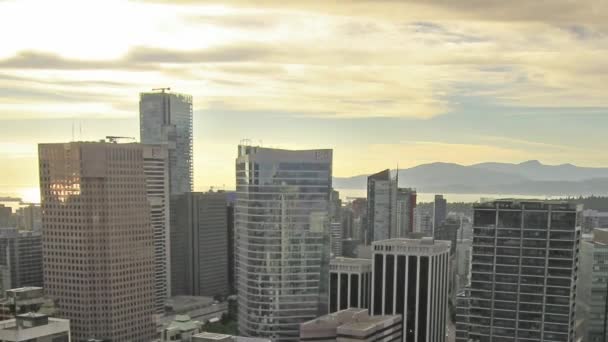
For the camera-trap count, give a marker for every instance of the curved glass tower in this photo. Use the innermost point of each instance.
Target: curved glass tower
(281, 238)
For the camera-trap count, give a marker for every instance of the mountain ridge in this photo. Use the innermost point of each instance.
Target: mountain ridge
(529, 177)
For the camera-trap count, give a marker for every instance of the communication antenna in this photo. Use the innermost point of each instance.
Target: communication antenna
(162, 90)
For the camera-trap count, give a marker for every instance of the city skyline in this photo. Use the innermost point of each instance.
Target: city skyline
(455, 82)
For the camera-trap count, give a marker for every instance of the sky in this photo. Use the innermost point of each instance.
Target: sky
(382, 82)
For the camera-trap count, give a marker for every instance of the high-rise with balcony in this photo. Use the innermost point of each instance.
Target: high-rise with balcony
(282, 239)
(98, 244)
(166, 119)
(523, 278)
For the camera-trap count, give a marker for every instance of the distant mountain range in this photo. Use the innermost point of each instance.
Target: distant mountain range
(527, 178)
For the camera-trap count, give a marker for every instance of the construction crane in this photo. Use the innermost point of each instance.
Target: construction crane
(114, 139)
(162, 90)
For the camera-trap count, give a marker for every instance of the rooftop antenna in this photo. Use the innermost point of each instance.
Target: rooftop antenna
(162, 90)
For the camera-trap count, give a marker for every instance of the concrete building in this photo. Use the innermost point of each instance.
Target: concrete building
(20, 301)
(166, 119)
(213, 337)
(592, 287)
(21, 257)
(411, 278)
(181, 329)
(156, 168)
(351, 325)
(381, 205)
(29, 217)
(523, 278)
(6, 216)
(98, 244)
(406, 203)
(440, 210)
(335, 229)
(33, 327)
(231, 200)
(349, 283)
(199, 244)
(423, 221)
(282, 239)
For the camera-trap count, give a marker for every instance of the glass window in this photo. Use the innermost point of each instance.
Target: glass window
(509, 219)
(535, 220)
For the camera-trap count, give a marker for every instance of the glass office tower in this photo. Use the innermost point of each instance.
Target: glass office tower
(166, 119)
(523, 277)
(281, 239)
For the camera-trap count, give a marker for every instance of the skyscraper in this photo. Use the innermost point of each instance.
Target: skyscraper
(440, 210)
(404, 212)
(156, 169)
(98, 244)
(410, 278)
(166, 119)
(523, 276)
(381, 201)
(199, 244)
(282, 239)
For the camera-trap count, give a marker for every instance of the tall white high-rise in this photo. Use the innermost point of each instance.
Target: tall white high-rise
(156, 168)
(282, 239)
(166, 119)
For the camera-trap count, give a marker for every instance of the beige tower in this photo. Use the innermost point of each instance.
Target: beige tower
(97, 239)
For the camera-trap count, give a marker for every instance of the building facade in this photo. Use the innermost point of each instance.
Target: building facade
(156, 168)
(440, 210)
(98, 244)
(166, 119)
(406, 203)
(523, 277)
(282, 239)
(411, 278)
(199, 239)
(21, 257)
(349, 283)
(593, 287)
(381, 206)
(351, 325)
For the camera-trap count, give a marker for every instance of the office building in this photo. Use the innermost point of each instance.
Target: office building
(351, 325)
(406, 203)
(282, 239)
(593, 287)
(156, 169)
(199, 244)
(34, 327)
(381, 203)
(335, 206)
(214, 337)
(336, 238)
(21, 301)
(448, 230)
(29, 217)
(98, 244)
(411, 278)
(423, 220)
(231, 199)
(523, 277)
(6, 216)
(440, 210)
(181, 329)
(165, 118)
(349, 283)
(21, 257)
